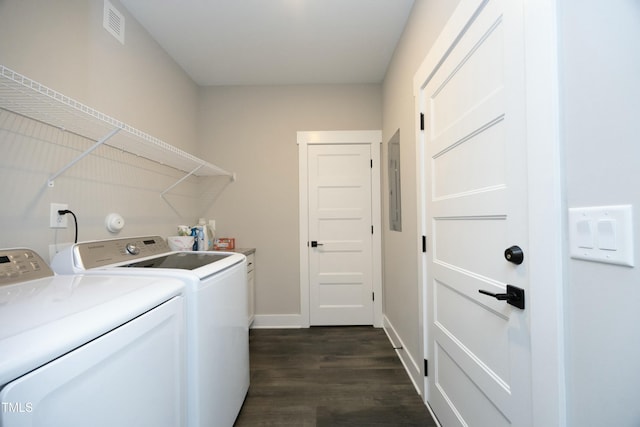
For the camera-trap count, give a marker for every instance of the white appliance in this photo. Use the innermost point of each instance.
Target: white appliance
(79, 351)
(217, 326)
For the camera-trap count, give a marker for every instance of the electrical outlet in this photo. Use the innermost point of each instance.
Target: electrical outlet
(55, 220)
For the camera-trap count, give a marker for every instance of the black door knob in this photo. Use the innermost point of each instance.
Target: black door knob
(514, 254)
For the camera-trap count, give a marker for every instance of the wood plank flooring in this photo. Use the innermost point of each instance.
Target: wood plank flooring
(328, 376)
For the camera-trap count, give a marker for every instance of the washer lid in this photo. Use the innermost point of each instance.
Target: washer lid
(180, 260)
(45, 318)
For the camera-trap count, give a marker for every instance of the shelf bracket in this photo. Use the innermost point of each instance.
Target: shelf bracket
(51, 181)
(180, 180)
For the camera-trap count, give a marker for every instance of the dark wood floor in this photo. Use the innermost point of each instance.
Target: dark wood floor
(328, 376)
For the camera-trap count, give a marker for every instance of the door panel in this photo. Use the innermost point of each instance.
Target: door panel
(484, 173)
(453, 381)
(491, 346)
(340, 267)
(489, 236)
(476, 193)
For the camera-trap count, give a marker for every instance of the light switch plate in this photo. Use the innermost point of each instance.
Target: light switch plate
(602, 234)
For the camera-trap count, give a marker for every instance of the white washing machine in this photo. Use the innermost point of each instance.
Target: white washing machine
(217, 318)
(79, 351)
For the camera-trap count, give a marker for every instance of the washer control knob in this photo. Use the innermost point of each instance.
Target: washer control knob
(132, 249)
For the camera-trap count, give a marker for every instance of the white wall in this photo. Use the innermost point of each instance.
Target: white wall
(600, 98)
(252, 130)
(401, 305)
(63, 45)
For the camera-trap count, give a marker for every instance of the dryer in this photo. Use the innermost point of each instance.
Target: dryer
(78, 350)
(217, 319)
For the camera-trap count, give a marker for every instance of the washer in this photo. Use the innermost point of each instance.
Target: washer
(217, 315)
(78, 351)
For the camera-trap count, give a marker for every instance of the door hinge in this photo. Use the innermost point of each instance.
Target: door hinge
(373, 296)
(372, 229)
(371, 163)
(421, 121)
(426, 368)
(424, 244)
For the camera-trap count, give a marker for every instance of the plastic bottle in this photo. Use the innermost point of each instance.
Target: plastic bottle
(212, 233)
(203, 235)
(194, 233)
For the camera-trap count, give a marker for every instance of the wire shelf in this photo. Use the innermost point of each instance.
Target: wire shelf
(31, 99)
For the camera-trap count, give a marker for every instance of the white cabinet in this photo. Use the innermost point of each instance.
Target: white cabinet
(251, 286)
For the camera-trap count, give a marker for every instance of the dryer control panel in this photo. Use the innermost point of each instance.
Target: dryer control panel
(20, 265)
(96, 254)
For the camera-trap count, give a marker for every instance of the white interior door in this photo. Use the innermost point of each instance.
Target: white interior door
(340, 234)
(473, 100)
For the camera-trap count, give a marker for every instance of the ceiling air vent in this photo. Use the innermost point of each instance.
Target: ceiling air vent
(113, 21)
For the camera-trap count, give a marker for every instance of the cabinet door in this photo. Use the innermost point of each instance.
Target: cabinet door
(251, 284)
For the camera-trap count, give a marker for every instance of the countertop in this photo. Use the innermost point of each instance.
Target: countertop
(244, 251)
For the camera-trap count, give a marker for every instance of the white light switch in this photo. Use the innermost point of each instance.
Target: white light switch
(584, 234)
(602, 234)
(607, 235)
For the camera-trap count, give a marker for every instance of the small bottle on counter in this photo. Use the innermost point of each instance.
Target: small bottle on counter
(194, 233)
(203, 235)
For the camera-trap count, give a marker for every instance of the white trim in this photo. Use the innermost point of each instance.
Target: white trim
(276, 321)
(374, 139)
(303, 209)
(421, 204)
(546, 213)
(340, 137)
(376, 218)
(410, 366)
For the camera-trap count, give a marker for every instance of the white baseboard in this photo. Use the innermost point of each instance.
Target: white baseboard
(409, 363)
(276, 321)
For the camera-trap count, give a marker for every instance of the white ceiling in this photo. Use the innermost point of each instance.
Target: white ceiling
(258, 42)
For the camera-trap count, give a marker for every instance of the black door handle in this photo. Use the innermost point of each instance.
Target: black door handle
(514, 296)
(514, 254)
(315, 244)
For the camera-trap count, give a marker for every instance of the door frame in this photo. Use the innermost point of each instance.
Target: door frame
(374, 139)
(546, 210)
